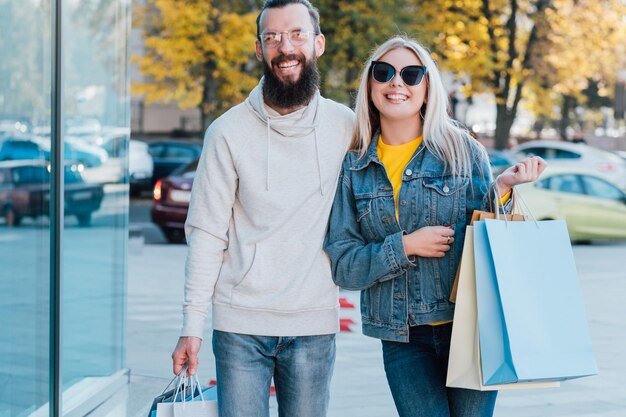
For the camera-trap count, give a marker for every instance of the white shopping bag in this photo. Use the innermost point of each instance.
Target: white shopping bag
(196, 405)
(196, 408)
(464, 366)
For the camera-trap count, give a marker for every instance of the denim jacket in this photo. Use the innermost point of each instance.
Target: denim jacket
(364, 240)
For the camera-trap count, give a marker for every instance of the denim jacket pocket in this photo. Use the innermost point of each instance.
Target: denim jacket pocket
(445, 199)
(364, 216)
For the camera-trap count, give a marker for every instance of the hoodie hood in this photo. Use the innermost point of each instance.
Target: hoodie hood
(297, 124)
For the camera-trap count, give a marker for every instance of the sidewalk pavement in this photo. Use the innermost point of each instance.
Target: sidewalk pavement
(359, 388)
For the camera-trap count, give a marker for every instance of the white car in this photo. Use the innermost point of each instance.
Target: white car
(140, 167)
(577, 155)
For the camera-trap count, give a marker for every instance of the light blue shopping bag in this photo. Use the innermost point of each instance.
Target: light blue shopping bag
(531, 318)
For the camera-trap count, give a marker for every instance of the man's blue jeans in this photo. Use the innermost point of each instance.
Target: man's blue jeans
(301, 366)
(416, 373)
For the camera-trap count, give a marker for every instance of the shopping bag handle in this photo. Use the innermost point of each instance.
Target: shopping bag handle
(515, 195)
(188, 382)
(174, 379)
(498, 198)
(518, 196)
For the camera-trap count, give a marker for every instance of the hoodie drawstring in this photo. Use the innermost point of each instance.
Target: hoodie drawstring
(269, 141)
(319, 162)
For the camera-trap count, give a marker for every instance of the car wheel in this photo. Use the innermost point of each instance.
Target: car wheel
(84, 219)
(174, 235)
(11, 217)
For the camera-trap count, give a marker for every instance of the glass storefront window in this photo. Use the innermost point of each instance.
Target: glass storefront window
(95, 119)
(96, 116)
(25, 47)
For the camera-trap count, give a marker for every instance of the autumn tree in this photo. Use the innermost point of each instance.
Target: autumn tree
(579, 58)
(505, 46)
(493, 43)
(353, 29)
(198, 53)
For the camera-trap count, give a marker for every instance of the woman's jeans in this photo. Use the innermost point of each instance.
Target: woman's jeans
(416, 372)
(301, 367)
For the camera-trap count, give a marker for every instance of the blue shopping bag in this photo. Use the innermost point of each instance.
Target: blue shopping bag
(531, 318)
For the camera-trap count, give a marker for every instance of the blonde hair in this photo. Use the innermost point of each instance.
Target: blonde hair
(443, 136)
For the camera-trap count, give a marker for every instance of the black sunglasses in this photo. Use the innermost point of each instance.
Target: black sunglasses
(384, 72)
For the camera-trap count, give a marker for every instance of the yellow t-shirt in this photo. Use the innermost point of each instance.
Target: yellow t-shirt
(395, 158)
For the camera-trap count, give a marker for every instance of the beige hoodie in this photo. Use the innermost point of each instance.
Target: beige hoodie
(257, 219)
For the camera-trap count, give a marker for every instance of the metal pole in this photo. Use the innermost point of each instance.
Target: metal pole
(56, 210)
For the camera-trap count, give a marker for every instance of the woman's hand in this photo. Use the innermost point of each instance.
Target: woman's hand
(429, 242)
(525, 171)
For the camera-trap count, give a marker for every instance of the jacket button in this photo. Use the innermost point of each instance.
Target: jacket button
(403, 202)
(446, 189)
(408, 172)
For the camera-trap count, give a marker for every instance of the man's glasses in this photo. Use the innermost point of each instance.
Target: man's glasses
(297, 37)
(384, 72)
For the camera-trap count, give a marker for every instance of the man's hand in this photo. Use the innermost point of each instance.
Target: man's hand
(429, 242)
(527, 170)
(186, 353)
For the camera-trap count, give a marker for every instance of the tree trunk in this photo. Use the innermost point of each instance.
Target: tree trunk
(209, 97)
(540, 123)
(206, 118)
(504, 121)
(568, 104)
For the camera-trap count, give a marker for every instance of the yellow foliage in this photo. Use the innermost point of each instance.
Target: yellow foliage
(195, 54)
(586, 43)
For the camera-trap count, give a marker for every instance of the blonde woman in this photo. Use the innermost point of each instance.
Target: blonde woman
(405, 196)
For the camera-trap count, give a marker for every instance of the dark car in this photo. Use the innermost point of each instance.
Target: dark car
(25, 192)
(168, 155)
(171, 202)
(501, 160)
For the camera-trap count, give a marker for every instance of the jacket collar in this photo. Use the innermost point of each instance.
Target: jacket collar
(370, 156)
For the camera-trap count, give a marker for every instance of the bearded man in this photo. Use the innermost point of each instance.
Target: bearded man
(258, 214)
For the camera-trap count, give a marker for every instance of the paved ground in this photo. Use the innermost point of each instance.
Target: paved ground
(155, 287)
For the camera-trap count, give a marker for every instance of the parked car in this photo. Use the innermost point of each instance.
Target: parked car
(18, 148)
(593, 207)
(169, 155)
(140, 167)
(171, 202)
(90, 156)
(25, 192)
(578, 155)
(14, 148)
(501, 160)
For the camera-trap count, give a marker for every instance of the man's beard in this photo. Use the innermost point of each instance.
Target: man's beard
(288, 94)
